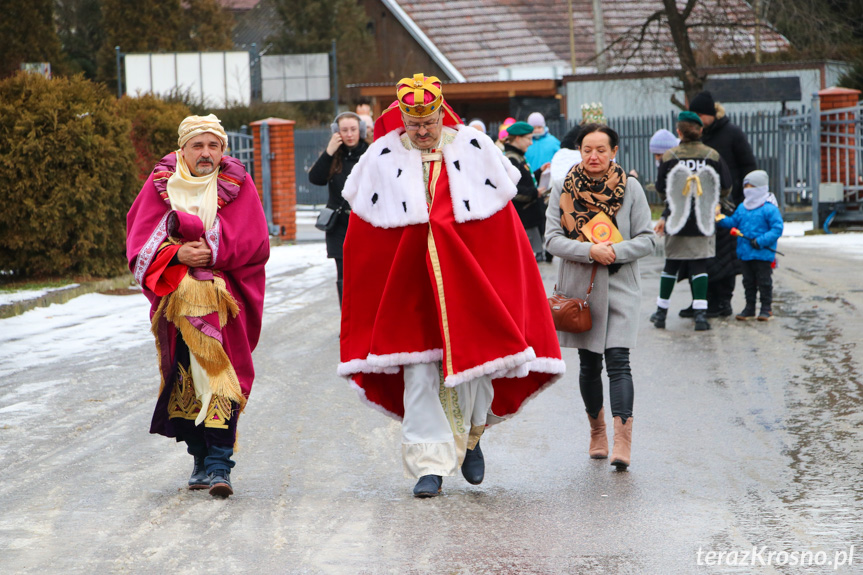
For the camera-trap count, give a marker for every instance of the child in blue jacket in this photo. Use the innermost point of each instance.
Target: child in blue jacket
(760, 221)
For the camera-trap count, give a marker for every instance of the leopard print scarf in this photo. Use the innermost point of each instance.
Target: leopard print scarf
(582, 197)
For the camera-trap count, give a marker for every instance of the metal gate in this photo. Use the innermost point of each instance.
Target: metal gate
(821, 162)
(308, 147)
(241, 145)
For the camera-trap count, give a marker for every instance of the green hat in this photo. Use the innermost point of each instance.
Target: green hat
(520, 129)
(689, 117)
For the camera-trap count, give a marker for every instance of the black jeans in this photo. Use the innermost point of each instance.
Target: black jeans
(340, 273)
(719, 292)
(619, 381)
(758, 278)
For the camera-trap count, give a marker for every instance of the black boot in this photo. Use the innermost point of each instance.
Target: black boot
(688, 312)
(220, 483)
(428, 486)
(473, 467)
(701, 323)
(747, 313)
(658, 317)
(199, 478)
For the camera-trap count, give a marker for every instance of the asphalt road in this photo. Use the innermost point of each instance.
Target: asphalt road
(746, 436)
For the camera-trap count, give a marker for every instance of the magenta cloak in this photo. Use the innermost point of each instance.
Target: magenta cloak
(239, 242)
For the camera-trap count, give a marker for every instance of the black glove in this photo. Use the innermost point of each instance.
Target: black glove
(754, 243)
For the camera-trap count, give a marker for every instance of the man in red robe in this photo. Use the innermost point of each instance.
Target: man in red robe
(197, 241)
(445, 320)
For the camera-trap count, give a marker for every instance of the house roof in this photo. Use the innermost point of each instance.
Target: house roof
(479, 37)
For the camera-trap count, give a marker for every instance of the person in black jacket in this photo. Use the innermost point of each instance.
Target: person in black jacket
(527, 201)
(332, 169)
(732, 145)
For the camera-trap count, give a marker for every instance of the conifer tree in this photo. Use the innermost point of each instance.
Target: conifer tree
(27, 34)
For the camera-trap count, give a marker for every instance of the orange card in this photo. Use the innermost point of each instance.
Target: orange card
(600, 228)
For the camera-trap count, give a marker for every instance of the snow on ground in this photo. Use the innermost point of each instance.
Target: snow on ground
(296, 275)
(110, 323)
(795, 229)
(848, 244)
(21, 295)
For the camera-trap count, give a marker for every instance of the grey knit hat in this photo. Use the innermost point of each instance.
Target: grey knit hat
(662, 141)
(757, 179)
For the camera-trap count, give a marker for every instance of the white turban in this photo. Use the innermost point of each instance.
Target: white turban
(197, 125)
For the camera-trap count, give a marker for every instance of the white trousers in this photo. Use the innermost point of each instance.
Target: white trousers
(441, 422)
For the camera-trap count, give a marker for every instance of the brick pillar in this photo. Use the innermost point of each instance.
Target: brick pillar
(838, 164)
(282, 178)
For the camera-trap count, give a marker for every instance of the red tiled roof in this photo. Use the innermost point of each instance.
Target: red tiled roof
(481, 36)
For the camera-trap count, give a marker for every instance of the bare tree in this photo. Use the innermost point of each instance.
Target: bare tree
(688, 35)
(692, 80)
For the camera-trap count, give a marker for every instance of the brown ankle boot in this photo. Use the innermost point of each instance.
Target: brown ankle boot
(622, 443)
(598, 437)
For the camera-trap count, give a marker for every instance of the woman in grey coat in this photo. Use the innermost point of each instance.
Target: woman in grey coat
(598, 184)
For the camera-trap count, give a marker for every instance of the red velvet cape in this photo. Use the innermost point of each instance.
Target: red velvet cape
(239, 241)
(494, 306)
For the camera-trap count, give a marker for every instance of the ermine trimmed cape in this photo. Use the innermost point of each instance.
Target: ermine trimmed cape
(454, 280)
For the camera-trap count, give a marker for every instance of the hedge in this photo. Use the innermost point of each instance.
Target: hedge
(154, 128)
(67, 179)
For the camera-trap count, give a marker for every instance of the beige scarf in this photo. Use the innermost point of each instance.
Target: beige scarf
(193, 194)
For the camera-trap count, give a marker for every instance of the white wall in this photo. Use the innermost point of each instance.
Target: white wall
(217, 78)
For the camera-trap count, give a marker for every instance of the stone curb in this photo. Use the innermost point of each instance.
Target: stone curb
(63, 295)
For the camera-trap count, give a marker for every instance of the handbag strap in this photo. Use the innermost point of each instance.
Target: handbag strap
(590, 287)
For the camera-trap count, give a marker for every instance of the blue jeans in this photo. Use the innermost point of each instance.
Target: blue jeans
(216, 457)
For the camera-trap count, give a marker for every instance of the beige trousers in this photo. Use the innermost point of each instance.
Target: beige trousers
(441, 422)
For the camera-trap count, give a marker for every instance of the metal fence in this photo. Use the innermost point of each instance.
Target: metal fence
(821, 162)
(241, 145)
(308, 147)
(761, 129)
(786, 145)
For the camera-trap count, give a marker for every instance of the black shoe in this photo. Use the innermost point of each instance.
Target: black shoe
(473, 467)
(688, 312)
(765, 315)
(711, 313)
(220, 484)
(658, 317)
(747, 314)
(199, 478)
(725, 309)
(428, 486)
(701, 323)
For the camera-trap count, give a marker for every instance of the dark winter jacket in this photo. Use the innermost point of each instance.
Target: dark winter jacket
(320, 176)
(763, 224)
(530, 208)
(725, 262)
(732, 145)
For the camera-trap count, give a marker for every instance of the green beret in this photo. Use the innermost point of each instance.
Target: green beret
(520, 129)
(688, 116)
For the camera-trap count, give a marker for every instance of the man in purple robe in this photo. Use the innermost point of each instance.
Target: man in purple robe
(197, 242)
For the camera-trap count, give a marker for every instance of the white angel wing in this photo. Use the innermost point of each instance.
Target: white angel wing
(705, 204)
(679, 204)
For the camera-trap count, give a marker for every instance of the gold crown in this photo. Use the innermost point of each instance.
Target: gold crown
(418, 86)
